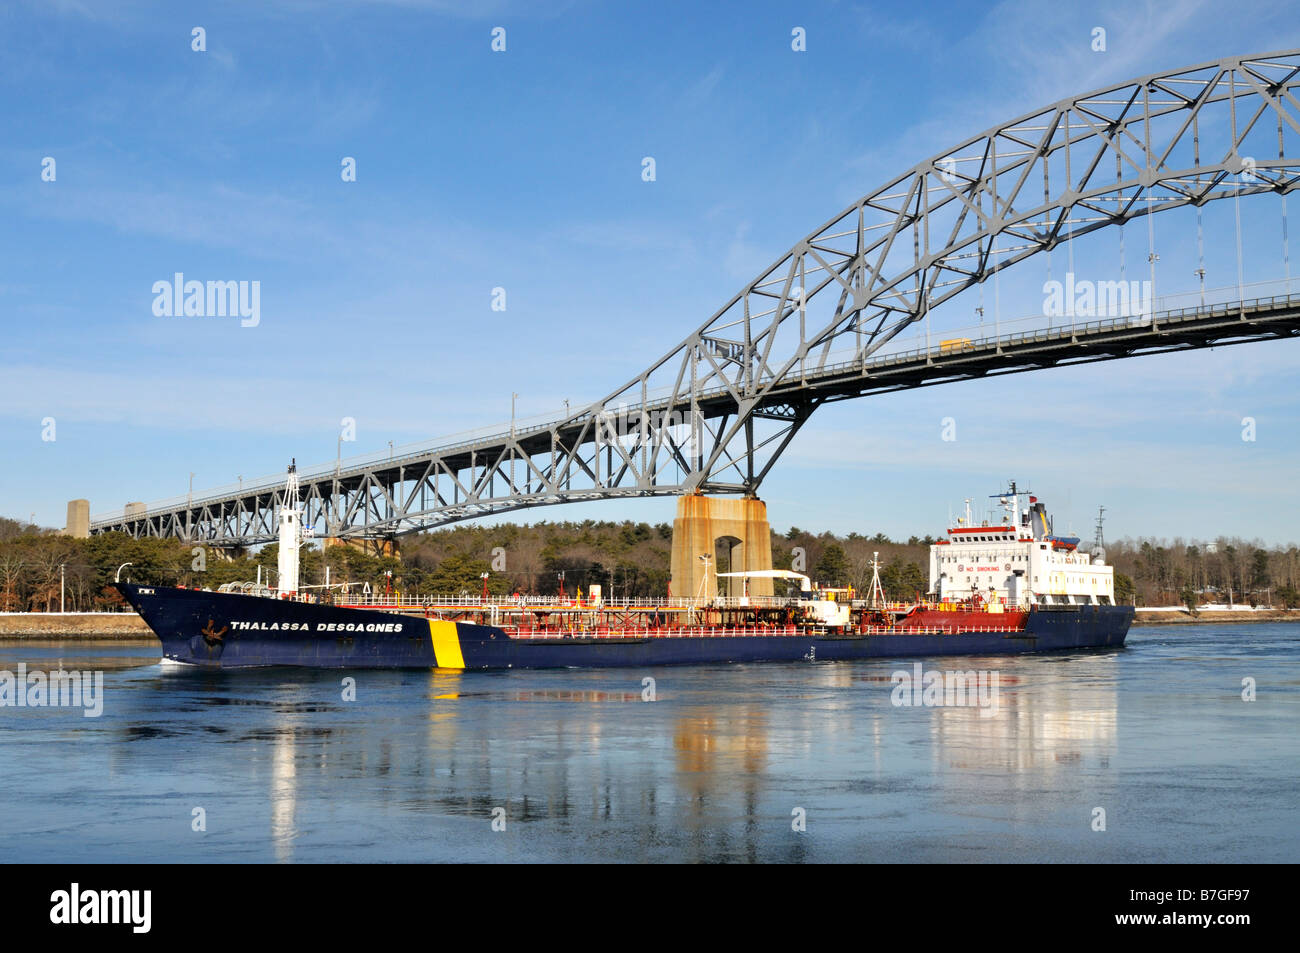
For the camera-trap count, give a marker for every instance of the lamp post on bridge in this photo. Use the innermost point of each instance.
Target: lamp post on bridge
(1152, 259)
(513, 398)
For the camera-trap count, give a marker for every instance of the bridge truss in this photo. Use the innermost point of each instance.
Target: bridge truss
(715, 412)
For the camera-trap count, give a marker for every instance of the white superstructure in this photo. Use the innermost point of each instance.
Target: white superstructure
(290, 536)
(1017, 560)
(821, 604)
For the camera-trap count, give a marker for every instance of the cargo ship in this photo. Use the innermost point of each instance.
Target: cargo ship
(999, 586)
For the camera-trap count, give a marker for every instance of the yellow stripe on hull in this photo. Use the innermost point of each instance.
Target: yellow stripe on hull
(446, 644)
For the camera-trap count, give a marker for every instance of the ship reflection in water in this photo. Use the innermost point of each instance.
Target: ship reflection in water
(726, 763)
(284, 793)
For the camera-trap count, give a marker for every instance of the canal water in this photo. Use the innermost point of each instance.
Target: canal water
(812, 761)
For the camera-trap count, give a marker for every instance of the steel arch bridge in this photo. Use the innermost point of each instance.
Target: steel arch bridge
(714, 413)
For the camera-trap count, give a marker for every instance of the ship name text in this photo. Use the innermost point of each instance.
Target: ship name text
(318, 627)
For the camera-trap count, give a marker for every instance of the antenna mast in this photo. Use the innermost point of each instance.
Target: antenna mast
(877, 591)
(1099, 543)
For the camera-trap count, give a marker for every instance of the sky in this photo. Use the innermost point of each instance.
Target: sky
(522, 170)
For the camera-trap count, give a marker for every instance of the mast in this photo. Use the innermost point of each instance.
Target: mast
(877, 591)
(1010, 502)
(290, 535)
(1099, 543)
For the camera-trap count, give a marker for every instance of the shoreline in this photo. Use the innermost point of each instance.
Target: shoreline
(1173, 616)
(18, 626)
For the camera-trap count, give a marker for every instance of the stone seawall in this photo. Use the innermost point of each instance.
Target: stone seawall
(97, 625)
(1178, 617)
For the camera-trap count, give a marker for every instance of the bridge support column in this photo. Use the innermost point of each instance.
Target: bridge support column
(702, 521)
(78, 525)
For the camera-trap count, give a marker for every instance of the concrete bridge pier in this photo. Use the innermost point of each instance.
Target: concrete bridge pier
(703, 521)
(376, 546)
(78, 524)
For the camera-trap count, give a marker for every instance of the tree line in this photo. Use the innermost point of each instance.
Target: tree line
(1160, 572)
(626, 559)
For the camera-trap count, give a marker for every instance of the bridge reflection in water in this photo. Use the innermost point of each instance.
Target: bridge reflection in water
(580, 767)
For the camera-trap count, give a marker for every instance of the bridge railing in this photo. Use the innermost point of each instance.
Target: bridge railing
(1058, 333)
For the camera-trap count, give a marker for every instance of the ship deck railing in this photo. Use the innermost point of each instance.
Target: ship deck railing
(633, 603)
(557, 604)
(673, 632)
(935, 629)
(534, 604)
(647, 603)
(706, 631)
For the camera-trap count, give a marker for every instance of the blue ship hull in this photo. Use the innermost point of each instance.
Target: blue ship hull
(231, 630)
